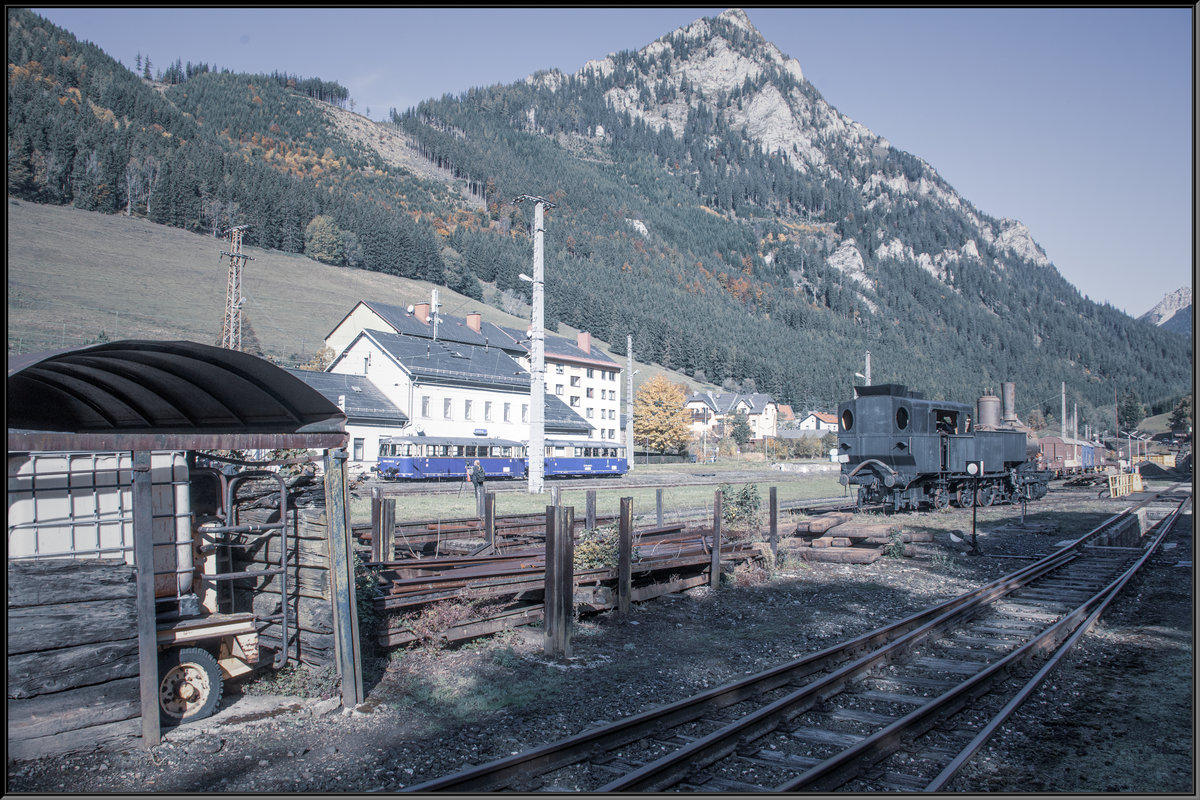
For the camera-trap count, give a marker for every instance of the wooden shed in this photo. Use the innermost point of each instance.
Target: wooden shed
(102, 529)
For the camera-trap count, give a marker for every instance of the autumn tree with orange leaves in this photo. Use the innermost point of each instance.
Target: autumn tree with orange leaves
(659, 418)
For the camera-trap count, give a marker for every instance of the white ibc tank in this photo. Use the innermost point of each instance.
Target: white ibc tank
(80, 505)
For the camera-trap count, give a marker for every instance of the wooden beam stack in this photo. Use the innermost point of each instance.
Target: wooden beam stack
(849, 539)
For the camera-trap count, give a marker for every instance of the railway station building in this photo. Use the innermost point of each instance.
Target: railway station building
(579, 375)
(449, 389)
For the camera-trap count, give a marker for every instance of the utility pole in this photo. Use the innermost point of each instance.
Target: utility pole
(434, 308)
(866, 375)
(231, 328)
(629, 403)
(537, 381)
(1062, 425)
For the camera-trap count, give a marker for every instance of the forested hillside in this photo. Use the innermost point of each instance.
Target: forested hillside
(770, 255)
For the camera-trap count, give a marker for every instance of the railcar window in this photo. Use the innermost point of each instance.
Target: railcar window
(901, 417)
(847, 420)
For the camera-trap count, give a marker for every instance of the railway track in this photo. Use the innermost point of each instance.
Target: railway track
(628, 481)
(900, 708)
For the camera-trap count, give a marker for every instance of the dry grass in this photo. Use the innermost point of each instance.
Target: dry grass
(76, 275)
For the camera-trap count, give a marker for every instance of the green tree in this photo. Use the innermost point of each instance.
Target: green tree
(323, 241)
(1181, 417)
(659, 418)
(740, 431)
(1131, 411)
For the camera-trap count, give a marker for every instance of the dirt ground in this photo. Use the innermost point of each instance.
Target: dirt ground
(1118, 715)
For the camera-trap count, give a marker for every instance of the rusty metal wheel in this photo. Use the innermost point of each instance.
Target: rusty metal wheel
(941, 499)
(189, 684)
(965, 497)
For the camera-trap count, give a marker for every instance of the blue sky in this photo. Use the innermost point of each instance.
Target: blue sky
(1077, 122)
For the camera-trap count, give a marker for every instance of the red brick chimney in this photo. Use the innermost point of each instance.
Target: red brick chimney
(474, 321)
(584, 340)
(421, 312)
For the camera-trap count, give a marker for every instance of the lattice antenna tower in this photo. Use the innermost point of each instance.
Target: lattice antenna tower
(231, 328)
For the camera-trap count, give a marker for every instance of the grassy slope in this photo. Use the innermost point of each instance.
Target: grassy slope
(74, 274)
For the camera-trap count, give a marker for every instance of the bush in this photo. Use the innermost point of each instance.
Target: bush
(740, 505)
(598, 548)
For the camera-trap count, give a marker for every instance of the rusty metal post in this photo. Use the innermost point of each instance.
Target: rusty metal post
(773, 502)
(590, 514)
(489, 519)
(625, 556)
(658, 500)
(714, 576)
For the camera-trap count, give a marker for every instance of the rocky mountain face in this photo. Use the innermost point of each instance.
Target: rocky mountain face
(724, 64)
(706, 200)
(1173, 313)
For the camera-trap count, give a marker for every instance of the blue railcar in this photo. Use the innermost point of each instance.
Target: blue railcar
(435, 457)
(567, 459)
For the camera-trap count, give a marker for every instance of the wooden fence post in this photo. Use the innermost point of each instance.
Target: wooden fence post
(377, 550)
(387, 530)
(143, 558)
(489, 519)
(559, 581)
(658, 500)
(774, 505)
(341, 573)
(590, 514)
(550, 585)
(566, 578)
(625, 556)
(714, 576)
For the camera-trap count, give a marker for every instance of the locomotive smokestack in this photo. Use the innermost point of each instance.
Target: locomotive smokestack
(1009, 390)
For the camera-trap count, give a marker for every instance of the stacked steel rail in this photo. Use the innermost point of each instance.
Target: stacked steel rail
(511, 582)
(900, 708)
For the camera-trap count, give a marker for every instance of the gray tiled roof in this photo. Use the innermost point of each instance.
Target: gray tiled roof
(560, 346)
(455, 331)
(724, 403)
(451, 364)
(365, 403)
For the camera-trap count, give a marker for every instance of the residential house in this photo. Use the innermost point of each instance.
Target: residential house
(819, 421)
(712, 414)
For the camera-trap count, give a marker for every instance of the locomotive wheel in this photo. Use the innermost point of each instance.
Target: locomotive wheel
(189, 684)
(965, 497)
(987, 496)
(941, 499)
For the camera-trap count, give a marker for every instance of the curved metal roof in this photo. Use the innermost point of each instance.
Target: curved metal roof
(142, 394)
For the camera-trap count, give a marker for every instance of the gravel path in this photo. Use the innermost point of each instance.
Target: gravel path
(430, 712)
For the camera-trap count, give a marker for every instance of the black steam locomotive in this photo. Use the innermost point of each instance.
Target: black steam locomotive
(907, 452)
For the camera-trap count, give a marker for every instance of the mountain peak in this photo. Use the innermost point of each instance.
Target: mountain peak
(1173, 312)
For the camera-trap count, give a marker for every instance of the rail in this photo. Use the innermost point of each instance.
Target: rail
(961, 650)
